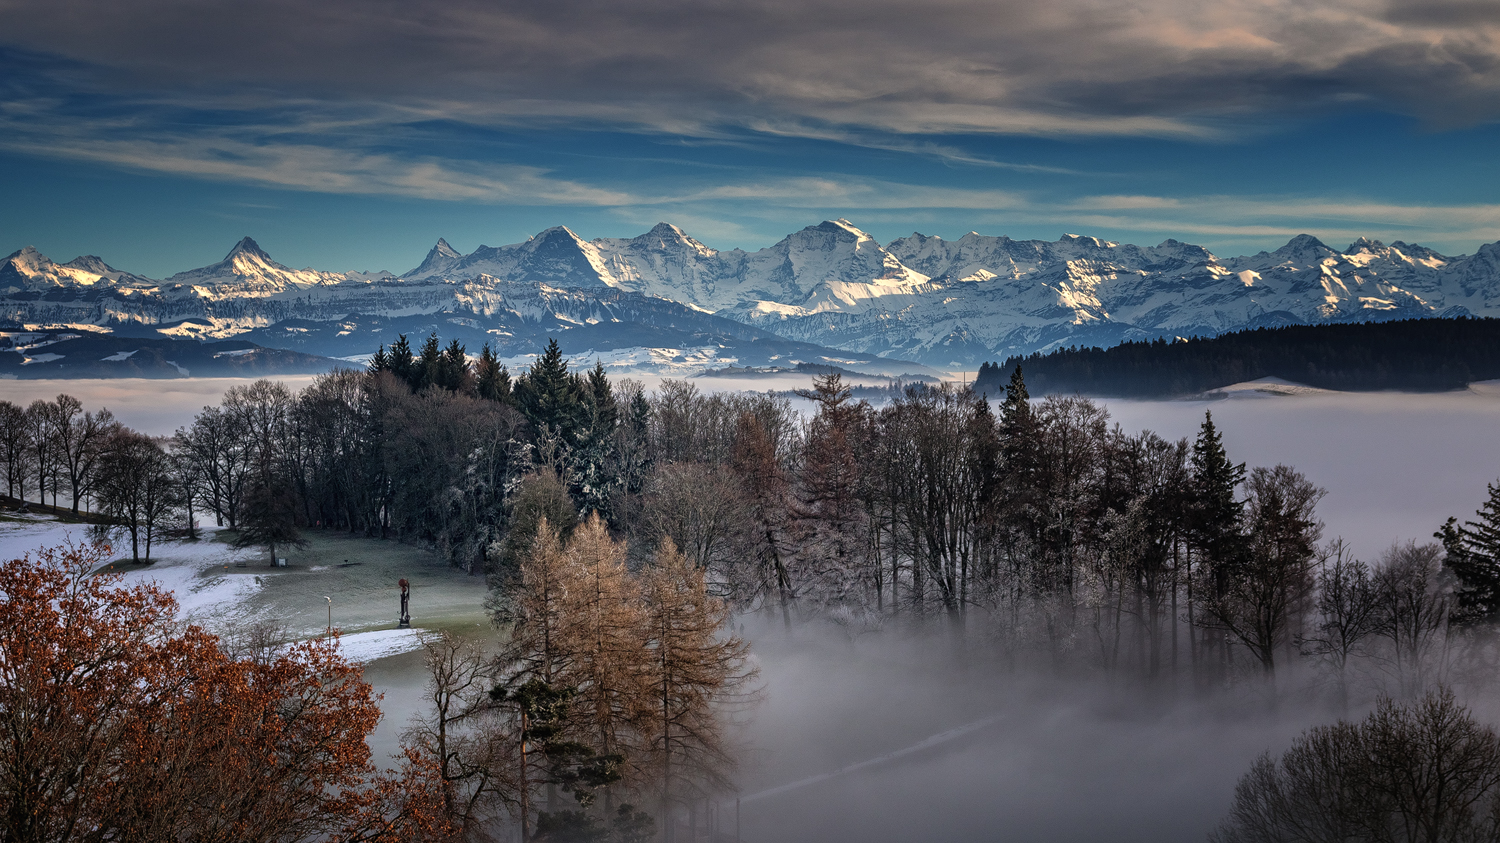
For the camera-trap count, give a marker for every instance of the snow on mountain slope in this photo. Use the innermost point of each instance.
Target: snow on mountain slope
(946, 303)
(556, 256)
(30, 270)
(248, 271)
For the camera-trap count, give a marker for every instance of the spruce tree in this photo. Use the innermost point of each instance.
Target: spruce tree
(492, 378)
(1216, 511)
(596, 470)
(381, 362)
(1015, 410)
(453, 369)
(1473, 554)
(429, 365)
(402, 362)
(549, 396)
(602, 410)
(1019, 449)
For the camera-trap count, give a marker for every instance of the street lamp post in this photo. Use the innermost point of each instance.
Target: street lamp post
(330, 615)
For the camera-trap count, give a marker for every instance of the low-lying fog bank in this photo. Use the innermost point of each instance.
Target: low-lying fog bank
(1060, 760)
(1395, 465)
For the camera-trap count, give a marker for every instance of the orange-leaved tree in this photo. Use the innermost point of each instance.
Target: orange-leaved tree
(119, 723)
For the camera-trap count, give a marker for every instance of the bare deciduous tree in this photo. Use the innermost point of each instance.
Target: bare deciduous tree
(1424, 772)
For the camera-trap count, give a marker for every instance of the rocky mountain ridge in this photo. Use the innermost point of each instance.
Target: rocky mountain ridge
(946, 303)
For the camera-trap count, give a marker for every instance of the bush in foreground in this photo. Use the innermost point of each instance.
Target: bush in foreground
(1423, 772)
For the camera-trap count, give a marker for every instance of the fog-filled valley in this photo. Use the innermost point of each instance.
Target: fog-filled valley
(875, 721)
(1396, 465)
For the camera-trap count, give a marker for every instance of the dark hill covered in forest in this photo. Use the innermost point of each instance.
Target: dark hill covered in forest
(1414, 355)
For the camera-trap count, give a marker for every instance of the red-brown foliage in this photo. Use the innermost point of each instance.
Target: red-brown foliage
(118, 723)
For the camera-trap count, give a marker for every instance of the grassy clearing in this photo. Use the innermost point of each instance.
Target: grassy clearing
(361, 575)
(10, 507)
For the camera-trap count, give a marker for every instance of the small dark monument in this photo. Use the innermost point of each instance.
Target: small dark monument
(405, 603)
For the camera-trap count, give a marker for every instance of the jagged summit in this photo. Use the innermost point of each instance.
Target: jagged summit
(249, 247)
(440, 257)
(949, 303)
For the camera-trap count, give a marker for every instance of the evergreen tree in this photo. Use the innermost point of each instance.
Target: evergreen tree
(453, 370)
(381, 362)
(1473, 554)
(1020, 454)
(549, 396)
(492, 380)
(429, 365)
(402, 364)
(596, 475)
(1216, 512)
(603, 413)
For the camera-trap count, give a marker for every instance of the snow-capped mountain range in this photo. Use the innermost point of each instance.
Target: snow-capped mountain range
(946, 303)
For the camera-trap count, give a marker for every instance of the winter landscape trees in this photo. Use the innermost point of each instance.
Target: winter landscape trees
(618, 530)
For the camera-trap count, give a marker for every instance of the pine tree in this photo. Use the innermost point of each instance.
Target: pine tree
(492, 378)
(549, 396)
(1473, 554)
(453, 369)
(403, 365)
(429, 366)
(1216, 511)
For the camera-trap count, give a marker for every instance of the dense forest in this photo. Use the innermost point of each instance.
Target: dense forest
(619, 529)
(1414, 355)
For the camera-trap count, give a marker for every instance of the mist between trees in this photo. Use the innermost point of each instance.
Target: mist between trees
(1033, 536)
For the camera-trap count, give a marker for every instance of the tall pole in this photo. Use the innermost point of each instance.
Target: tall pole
(330, 615)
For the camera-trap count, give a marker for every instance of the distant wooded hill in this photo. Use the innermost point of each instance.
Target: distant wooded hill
(1415, 355)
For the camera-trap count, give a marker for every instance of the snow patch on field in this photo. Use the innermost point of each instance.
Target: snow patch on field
(200, 575)
(28, 532)
(1262, 387)
(365, 647)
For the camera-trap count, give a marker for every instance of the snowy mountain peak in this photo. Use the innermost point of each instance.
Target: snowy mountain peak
(1304, 246)
(91, 263)
(558, 232)
(439, 258)
(840, 224)
(29, 269)
(247, 247)
(664, 229)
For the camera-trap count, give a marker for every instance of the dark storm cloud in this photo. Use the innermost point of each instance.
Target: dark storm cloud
(1159, 67)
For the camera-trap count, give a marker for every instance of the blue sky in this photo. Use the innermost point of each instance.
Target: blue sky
(350, 135)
